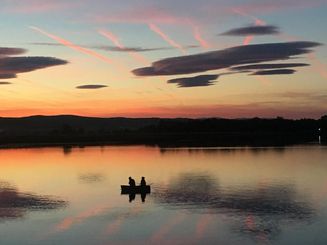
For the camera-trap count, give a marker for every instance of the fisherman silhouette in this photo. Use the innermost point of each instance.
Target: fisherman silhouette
(131, 182)
(143, 183)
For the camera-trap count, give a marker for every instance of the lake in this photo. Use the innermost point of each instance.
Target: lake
(198, 195)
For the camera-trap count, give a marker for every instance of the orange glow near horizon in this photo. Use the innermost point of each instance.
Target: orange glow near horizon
(227, 111)
(318, 65)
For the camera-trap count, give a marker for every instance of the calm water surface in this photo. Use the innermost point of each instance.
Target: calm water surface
(199, 196)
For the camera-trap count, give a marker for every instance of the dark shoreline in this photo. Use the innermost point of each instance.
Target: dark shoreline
(62, 144)
(68, 131)
(72, 144)
(77, 145)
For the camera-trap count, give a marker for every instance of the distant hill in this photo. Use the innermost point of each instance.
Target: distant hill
(48, 123)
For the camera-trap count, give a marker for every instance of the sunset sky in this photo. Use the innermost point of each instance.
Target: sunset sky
(187, 58)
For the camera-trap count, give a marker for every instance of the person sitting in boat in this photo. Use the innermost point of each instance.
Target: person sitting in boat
(143, 183)
(131, 182)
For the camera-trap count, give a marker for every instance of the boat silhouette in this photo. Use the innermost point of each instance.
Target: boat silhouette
(126, 189)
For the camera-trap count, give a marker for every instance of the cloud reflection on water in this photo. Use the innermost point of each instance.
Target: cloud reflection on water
(15, 204)
(257, 211)
(70, 221)
(189, 191)
(91, 178)
(223, 150)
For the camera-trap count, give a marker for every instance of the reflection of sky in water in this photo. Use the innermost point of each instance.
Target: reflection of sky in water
(199, 196)
(90, 178)
(15, 204)
(262, 207)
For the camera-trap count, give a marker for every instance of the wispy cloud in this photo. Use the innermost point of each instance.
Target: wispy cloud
(37, 6)
(4, 83)
(252, 30)
(155, 16)
(8, 76)
(73, 46)
(249, 37)
(113, 38)
(166, 38)
(256, 7)
(226, 58)
(258, 23)
(197, 81)
(275, 72)
(91, 86)
(140, 14)
(268, 66)
(197, 36)
(247, 40)
(129, 49)
(14, 65)
(11, 66)
(114, 48)
(4, 51)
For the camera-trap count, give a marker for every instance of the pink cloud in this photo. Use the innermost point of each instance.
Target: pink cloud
(256, 7)
(38, 6)
(247, 40)
(153, 15)
(142, 15)
(73, 46)
(198, 37)
(166, 38)
(115, 40)
(258, 22)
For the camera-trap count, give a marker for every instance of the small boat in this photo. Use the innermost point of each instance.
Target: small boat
(126, 189)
